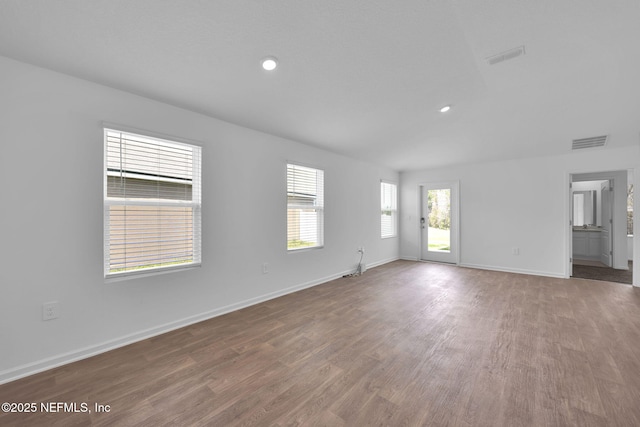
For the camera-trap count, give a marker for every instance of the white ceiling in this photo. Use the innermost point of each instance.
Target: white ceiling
(363, 78)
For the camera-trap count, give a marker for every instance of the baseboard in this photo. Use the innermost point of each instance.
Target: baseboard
(86, 352)
(515, 270)
(379, 263)
(502, 269)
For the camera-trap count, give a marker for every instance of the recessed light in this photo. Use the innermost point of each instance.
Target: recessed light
(269, 63)
(445, 108)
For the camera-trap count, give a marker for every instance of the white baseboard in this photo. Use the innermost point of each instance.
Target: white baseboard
(515, 270)
(86, 352)
(502, 269)
(379, 263)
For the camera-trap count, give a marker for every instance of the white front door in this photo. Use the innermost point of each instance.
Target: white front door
(607, 224)
(439, 222)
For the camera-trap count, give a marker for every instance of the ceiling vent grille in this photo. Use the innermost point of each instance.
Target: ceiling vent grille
(595, 141)
(505, 56)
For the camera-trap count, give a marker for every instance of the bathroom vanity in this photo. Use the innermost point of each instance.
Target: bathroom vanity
(587, 243)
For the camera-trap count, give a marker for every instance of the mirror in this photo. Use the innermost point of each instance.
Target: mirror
(584, 208)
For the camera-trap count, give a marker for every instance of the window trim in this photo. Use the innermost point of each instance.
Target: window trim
(107, 203)
(394, 212)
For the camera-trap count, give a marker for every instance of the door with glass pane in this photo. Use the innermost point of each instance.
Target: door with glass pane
(439, 222)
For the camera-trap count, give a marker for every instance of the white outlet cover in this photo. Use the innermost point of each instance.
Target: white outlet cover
(49, 311)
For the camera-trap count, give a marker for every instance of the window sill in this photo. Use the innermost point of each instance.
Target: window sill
(120, 277)
(305, 249)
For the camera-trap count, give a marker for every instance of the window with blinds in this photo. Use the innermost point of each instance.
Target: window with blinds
(305, 207)
(389, 209)
(152, 206)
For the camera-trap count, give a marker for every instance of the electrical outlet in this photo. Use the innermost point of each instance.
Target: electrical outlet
(515, 251)
(50, 310)
(265, 268)
(361, 250)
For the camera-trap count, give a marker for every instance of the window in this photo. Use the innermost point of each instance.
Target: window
(389, 210)
(305, 207)
(151, 204)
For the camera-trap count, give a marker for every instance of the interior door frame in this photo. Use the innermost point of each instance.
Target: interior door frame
(605, 174)
(455, 217)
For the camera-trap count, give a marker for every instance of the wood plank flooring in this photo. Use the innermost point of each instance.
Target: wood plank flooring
(406, 344)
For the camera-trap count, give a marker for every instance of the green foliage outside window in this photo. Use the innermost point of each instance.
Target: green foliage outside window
(439, 205)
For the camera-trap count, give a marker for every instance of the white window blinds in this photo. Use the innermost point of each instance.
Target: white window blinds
(152, 205)
(305, 207)
(389, 209)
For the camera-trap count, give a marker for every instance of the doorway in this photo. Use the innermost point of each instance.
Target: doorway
(439, 211)
(601, 245)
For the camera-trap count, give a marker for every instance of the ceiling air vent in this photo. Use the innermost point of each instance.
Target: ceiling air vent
(505, 56)
(595, 141)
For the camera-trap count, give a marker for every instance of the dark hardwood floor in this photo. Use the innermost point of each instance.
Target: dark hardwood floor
(406, 344)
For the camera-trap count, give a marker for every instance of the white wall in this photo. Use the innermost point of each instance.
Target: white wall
(520, 203)
(51, 221)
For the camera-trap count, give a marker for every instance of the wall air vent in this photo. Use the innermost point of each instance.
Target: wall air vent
(595, 141)
(505, 56)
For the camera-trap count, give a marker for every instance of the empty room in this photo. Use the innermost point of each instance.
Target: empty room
(338, 213)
